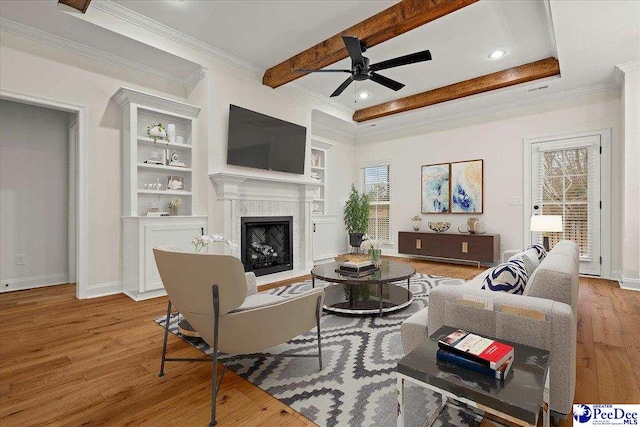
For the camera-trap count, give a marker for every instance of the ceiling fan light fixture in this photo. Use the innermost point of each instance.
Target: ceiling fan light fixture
(496, 54)
(363, 95)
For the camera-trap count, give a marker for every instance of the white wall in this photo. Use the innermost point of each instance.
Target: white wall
(631, 215)
(499, 141)
(38, 70)
(34, 195)
(35, 69)
(339, 176)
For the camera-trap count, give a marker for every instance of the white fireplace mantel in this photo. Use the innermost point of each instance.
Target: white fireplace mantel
(247, 195)
(247, 187)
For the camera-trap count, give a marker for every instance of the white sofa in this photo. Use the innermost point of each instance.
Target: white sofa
(551, 295)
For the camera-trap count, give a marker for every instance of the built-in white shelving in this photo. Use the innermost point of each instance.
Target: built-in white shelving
(162, 144)
(319, 147)
(145, 186)
(167, 192)
(162, 167)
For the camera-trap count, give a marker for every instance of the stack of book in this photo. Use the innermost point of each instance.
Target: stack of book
(357, 268)
(477, 353)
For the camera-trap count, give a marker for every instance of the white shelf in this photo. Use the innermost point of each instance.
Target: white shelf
(163, 167)
(161, 144)
(168, 192)
(320, 168)
(318, 200)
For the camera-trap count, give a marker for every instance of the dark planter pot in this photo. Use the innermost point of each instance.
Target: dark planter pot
(355, 239)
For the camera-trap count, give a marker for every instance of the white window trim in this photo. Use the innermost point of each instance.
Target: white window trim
(361, 165)
(605, 189)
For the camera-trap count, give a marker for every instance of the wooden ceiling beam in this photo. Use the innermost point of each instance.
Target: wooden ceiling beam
(81, 5)
(521, 74)
(391, 22)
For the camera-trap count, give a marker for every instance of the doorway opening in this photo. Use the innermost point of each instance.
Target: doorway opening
(40, 144)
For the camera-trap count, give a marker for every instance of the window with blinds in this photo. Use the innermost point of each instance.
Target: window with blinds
(374, 181)
(568, 185)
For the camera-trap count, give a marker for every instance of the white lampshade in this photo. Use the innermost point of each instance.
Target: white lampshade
(546, 223)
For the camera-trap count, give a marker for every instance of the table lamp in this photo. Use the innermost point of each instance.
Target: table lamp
(546, 223)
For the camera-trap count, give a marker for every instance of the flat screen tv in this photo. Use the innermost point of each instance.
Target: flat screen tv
(263, 142)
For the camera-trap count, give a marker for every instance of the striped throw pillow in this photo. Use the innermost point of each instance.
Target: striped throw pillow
(540, 251)
(510, 277)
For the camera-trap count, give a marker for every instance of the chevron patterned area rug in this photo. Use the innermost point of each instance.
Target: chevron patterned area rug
(357, 386)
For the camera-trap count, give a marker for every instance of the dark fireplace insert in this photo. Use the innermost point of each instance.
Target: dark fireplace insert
(267, 244)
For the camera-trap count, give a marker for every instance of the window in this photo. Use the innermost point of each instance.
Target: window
(374, 181)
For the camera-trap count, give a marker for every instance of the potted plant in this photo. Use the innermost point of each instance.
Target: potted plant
(173, 205)
(356, 216)
(156, 132)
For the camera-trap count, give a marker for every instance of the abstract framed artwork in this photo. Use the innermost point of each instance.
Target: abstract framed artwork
(435, 188)
(467, 187)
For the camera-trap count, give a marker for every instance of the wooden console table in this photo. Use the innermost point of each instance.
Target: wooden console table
(478, 248)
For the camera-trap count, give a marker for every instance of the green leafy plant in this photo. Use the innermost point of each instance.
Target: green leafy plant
(356, 212)
(156, 137)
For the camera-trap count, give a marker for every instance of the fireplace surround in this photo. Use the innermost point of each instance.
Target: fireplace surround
(240, 195)
(267, 244)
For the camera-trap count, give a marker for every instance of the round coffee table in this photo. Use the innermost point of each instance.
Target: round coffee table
(373, 294)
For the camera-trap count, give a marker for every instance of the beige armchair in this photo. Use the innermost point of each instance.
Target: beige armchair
(223, 306)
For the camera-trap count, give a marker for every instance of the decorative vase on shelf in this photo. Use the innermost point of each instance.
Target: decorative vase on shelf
(463, 228)
(171, 132)
(470, 223)
(376, 256)
(479, 227)
(156, 132)
(416, 222)
(173, 211)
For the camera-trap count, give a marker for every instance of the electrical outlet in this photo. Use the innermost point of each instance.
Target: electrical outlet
(21, 259)
(515, 201)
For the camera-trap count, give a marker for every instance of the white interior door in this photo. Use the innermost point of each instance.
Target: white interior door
(565, 180)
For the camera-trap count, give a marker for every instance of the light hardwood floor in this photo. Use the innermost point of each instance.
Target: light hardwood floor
(95, 362)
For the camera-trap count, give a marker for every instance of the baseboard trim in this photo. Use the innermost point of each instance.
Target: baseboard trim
(101, 290)
(625, 282)
(630, 284)
(142, 296)
(10, 285)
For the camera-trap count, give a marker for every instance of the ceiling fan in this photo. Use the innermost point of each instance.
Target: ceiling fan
(362, 70)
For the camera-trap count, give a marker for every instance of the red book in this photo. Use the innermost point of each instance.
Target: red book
(477, 348)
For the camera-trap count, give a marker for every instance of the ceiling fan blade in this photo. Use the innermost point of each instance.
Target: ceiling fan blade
(402, 60)
(386, 81)
(322, 71)
(353, 47)
(342, 87)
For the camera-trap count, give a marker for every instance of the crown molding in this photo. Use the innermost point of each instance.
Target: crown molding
(160, 29)
(629, 66)
(333, 133)
(192, 79)
(315, 96)
(52, 40)
(621, 69)
(125, 95)
(424, 124)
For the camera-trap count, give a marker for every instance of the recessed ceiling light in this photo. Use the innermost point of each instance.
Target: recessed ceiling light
(497, 54)
(363, 95)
